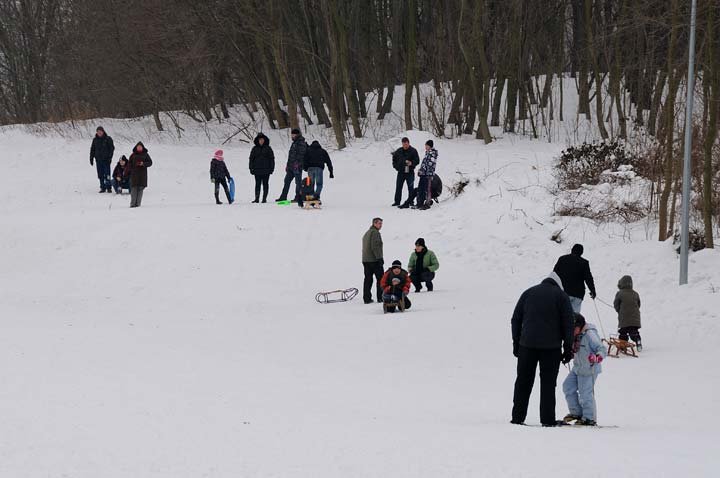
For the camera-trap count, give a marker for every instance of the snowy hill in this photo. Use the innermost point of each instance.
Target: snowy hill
(181, 339)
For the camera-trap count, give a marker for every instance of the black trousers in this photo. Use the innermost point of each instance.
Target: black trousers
(221, 182)
(264, 181)
(632, 332)
(372, 270)
(403, 178)
(426, 277)
(528, 359)
(289, 177)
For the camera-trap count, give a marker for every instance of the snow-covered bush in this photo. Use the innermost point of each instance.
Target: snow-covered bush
(588, 162)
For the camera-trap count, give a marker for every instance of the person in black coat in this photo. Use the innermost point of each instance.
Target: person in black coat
(219, 175)
(101, 151)
(262, 165)
(574, 271)
(542, 322)
(405, 159)
(315, 160)
(293, 169)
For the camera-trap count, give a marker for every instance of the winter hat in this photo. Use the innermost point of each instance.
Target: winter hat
(577, 249)
(295, 131)
(420, 242)
(396, 263)
(219, 155)
(99, 128)
(122, 158)
(430, 143)
(557, 279)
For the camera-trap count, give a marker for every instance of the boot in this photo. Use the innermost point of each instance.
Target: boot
(256, 201)
(585, 422)
(569, 418)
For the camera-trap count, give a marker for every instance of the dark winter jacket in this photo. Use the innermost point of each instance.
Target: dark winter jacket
(401, 155)
(574, 271)
(627, 304)
(102, 149)
(372, 246)
(218, 170)
(262, 158)
(387, 278)
(139, 162)
(119, 172)
(296, 155)
(543, 318)
(317, 157)
(427, 168)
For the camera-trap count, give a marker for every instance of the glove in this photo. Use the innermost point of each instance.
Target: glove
(212, 180)
(395, 281)
(252, 172)
(567, 357)
(516, 349)
(593, 295)
(595, 358)
(91, 162)
(332, 175)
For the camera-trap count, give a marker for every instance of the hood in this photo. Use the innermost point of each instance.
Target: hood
(625, 282)
(590, 326)
(315, 144)
(555, 279)
(257, 139)
(145, 150)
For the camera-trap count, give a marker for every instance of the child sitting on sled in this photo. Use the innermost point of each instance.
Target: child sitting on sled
(395, 284)
(579, 386)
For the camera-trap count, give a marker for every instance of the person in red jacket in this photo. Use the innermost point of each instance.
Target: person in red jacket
(396, 284)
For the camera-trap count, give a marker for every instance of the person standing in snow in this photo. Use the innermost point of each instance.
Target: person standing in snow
(404, 160)
(542, 324)
(101, 151)
(316, 159)
(219, 175)
(422, 266)
(574, 271)
(294, 167)
(262, 165)
(627, 305)
(579, 385)
(372, 259)
(119, 181)
(137, 171)
(395, 284)
(426, 173)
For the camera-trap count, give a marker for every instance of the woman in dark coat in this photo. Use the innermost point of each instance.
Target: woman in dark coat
(262, 165)
(137, 170)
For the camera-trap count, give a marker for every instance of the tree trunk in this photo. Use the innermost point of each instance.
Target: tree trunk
(712, 99)
(410, 58)
(497, 100)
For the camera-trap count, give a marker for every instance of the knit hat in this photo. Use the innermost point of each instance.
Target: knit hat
(122, 158)
(577, 249)
(420, 242)
(430, 143)
(295, 131)
(396, 263)
(100, 128)
(219, 155)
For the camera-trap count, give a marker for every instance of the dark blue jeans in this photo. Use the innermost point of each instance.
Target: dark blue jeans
(403, 178)
(316, 174)
(119, 186)
(289, 175)
(103, 172)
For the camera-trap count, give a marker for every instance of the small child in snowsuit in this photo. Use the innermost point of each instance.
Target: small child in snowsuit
(627, 305)
(218, 174)
(579, 386)
(120, 180)
(395, 284)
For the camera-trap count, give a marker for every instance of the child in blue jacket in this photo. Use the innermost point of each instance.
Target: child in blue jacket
(579, 386)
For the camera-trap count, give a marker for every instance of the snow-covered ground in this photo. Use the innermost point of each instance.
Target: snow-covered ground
(182, 339)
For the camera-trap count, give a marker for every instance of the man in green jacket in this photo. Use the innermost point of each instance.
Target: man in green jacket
(422, 266)
(372, 259)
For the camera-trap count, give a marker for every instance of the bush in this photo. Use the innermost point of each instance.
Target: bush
(585, 164)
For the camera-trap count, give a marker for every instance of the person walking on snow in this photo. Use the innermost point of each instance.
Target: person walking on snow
(119, 181)
(579, 385)
(542, 323)
(218, 174)
(396, 286)
(294, 167)
(315, 160)
(101, 151)
(372, 259)
(404, 160)
(627, 305)
(574, 271)
(262, 165)
(426, 173)
(137, 171)
(422, 266)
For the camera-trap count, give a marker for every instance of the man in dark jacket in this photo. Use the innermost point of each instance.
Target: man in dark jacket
(404, 160)
(541, 323)
(101, 151)
(574, 271)
(372, 259)
(294, 167)
(315, 160)
(262, 165)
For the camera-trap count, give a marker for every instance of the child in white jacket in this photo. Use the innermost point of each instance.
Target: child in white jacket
(579, 386)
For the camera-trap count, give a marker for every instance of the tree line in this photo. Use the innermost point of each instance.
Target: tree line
(491, 63)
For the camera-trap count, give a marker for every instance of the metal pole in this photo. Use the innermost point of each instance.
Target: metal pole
(685, 234)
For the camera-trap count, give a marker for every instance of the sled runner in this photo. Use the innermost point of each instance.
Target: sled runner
(312, 204)
(285, 202)
(231, 187)
(621, 346)
(334, 296)
(391, 306)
